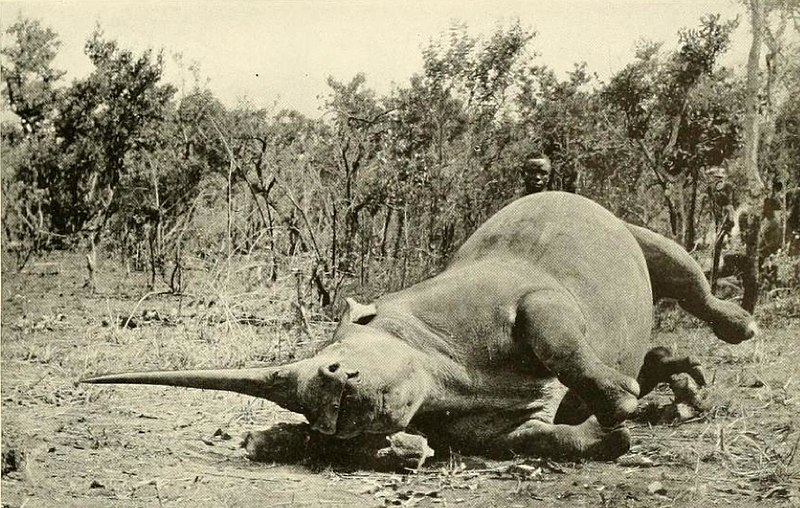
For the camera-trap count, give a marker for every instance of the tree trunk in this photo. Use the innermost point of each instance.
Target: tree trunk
(157, 251)
(91, 264)
(750, 276)
(398, 239)
(152, 254)
(748, 177)
(689, 219)
(273, 272)
(386, 222)
(723, 230)
(334, 240)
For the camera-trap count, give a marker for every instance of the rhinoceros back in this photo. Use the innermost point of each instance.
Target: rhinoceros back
(586, 250)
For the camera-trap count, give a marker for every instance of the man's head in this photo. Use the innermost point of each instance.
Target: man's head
(536, 174)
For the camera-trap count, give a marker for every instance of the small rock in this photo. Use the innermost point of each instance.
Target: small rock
(656, 488)
(750, 380)
(125, 322)
(685, 412)
(524, 470)
(96, 485)
(150, 315)
(221, 434)
(410, 450)
(636, 461)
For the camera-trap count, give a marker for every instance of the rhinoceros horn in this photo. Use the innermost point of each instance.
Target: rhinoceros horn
(278, 384)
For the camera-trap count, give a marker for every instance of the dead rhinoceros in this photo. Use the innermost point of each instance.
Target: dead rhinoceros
(542, 319)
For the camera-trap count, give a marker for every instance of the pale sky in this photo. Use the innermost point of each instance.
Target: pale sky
(281, 52)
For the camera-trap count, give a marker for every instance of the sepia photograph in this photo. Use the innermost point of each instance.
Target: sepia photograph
(362, 253)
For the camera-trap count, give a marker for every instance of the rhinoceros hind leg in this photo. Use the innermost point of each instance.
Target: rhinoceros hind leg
(552, 325)
(675, 274)
(589, 440)
(659, 367)
(572, 410)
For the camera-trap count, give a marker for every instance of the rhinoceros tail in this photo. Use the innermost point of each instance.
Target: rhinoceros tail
(273, 383)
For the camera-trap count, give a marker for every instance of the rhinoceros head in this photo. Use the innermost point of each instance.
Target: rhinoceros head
(365, 381)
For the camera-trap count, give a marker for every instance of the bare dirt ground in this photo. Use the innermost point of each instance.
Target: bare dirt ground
(66, 444)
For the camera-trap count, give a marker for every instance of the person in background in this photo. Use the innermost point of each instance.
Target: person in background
(536, 172)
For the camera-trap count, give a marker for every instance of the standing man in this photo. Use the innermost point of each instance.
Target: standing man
(720, 198)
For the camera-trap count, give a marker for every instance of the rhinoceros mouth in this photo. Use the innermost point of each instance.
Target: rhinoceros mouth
(360, 413)
(344, 404)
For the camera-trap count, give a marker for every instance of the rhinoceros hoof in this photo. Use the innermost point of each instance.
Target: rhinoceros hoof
(687, 392)
(604, 444)
(739, 327)
(695, 370)
(614, 398)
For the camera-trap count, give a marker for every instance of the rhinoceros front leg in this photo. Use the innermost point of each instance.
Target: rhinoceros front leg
(539, 436)
(552, 325)
(588, 440)
(294, 443)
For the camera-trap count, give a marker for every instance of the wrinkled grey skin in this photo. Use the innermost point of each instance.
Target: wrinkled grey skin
(543, 316)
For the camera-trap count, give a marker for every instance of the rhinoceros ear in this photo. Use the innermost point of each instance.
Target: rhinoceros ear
(359, 313)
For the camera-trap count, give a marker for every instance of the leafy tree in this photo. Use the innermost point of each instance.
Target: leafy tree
(28, 73)
(102, 121)
(451, 130)
(357, 121)
(31, 93)
(380, 190)
(159, 191)
(768, 23)
(781, 162)
(674, 114)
